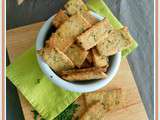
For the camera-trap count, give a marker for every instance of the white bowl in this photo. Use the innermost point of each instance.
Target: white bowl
(81, 87)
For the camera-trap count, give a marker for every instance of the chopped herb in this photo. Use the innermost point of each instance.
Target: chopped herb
(38, 80)
(94, 37)
(67, 114)
(35, 114)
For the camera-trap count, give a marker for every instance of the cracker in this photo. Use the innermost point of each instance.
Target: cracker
(96, 69)
(83, 76)
(110, 99)
(95, 112)
(76, 54)
(58, 42)
(56, 59)
(116, 41)
(86, 64)
(89, 57)
(60, 18)
(67, 32)
(94, 35)
(46, 43)
(99, 60)
(89, 17)
(74, 6)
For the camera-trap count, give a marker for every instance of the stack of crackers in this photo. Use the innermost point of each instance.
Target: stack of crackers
(80, 47)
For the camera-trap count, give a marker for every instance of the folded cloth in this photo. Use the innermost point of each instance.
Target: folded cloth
(46, 98)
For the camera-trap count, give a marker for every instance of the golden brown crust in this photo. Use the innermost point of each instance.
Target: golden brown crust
(86, 64)
(94, 35)
(95, 112)
(60, 18)
(110, 99)
(96, 69)
(89, 57)
(76, 54)
(74, 6)
(56, 59)
(83, 76)
(99, 60)
(67, 32)
(116, 41)
(89, 17)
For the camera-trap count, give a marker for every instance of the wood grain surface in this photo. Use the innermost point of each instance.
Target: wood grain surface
(138, 15)
(131, 108)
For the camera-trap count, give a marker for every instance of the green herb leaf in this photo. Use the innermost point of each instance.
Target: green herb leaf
(35, 114)
(67, 114)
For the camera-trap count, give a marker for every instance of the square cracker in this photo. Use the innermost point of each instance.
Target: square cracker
(110, 99)
(99, 60)
(116, 41)
(67, 32)
(56, 59)
(55, 41)
(74, 6)
(84, 74)
(95, 112)
(60, 18)
(94, 35)
(76, 54)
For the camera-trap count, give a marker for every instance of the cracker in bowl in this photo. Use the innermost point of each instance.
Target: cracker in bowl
(94, 35)
(84, 74)
(56, 59)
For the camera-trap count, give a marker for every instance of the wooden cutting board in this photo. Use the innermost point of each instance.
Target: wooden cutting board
(132, 108)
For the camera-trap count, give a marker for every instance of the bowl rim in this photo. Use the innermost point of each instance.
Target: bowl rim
(73, 86)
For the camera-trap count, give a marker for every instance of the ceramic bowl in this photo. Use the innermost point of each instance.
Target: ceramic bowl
(82, 87)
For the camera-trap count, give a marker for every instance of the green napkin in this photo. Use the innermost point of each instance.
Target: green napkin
(102, 9)
(48, 99)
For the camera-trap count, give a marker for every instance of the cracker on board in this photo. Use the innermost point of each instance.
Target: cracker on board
(109, 99)
(56, 59)
(74, 6)
(60, 18)
(76, 54)
(94, 35)
(95, 112)
(65, 35)
(116, 41)
(99, 60)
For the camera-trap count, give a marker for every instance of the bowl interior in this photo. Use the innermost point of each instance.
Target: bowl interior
(84, 86)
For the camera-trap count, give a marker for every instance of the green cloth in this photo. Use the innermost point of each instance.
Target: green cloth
(102, 9)
(45, 97)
